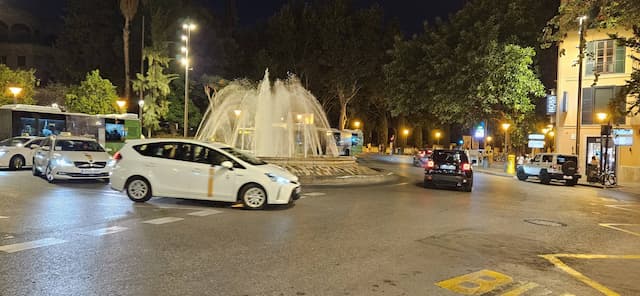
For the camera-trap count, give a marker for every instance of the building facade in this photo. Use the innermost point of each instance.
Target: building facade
(614, 65)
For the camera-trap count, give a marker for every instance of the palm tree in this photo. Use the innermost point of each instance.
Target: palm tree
(128, 9)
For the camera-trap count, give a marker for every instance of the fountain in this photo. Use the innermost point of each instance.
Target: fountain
(283, 120)
(281, 123)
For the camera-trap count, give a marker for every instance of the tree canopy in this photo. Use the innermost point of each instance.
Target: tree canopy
(94, 95)
(24, 79)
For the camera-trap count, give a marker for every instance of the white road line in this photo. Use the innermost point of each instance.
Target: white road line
(314, 194)
(176, 207)
(105, 231)
(204, 213)
(163, 220)
(4, 217)
(31, 245)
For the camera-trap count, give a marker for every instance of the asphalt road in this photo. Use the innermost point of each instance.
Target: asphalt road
(505, 238)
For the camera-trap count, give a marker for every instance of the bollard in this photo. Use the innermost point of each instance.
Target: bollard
(511, 164)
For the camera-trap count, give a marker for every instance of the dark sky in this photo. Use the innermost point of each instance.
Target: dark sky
(409, 13)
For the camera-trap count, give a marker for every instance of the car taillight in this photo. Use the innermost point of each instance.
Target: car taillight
(430, 164)
(466, 167)
(117, 157)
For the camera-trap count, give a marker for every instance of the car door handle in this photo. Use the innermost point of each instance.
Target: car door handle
(196, 171)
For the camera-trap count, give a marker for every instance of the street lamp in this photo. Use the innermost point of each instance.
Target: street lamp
(405, 133)
(187, 28)
(357, 124)
(438, 135)
(140, 106)
(505, 127)
(15, 90)
(605, 130)
(121, 104)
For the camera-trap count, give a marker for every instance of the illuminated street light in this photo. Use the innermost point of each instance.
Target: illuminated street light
(237, 112)
(505, 127)
(602, 116)
(357, 124)
(187, 27)
(438, 135)
(121, 104)
(15, 90)
(140, 106)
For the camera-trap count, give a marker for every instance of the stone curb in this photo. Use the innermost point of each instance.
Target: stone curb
(354, 180)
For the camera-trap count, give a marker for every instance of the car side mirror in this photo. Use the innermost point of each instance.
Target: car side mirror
(34, 146)
(227, 165)
(45, 148)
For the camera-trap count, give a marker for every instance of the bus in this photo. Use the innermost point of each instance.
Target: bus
(349, 142)
(111, 130)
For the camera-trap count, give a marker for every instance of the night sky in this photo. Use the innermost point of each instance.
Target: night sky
(410, 14)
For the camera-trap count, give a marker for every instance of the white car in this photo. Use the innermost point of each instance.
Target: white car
(17, 152)
(67, 158)
(193, 169)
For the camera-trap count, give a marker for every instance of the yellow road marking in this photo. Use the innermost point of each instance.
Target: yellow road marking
(212, 171)
(554, 258)
(476, 283)
(614, 226)
(521, 289)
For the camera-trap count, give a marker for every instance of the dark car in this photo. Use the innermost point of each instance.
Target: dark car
(449, 168)
(420, 157)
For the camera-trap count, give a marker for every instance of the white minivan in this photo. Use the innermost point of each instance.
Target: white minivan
(193, 169)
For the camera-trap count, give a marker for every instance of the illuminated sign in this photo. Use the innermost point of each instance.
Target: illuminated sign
(479, 132)
(623, 137)
(536, 144)
(552, 105)
(536, 137)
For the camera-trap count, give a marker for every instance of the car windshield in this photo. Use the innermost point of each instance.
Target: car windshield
(12, 142)
(244, 157)
(449, 157)
(78, 145)
(564, 158)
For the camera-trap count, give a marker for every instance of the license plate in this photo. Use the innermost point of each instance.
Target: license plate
(448, 167)
(567, 177)
(89, 171)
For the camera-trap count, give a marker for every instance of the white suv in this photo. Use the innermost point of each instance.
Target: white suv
(200, 170)
(551, 166)
(61, 157)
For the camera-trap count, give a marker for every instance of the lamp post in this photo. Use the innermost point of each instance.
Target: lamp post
(581, 21)
(505, 127)
(140, 107)
(405, 133)
(15, 90)
(438, 135)
(187, 28)
(605, 130)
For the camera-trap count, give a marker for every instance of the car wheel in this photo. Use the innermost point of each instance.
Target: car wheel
(521, 174)
(34, 169)
(48, 173)
(16, 162)
(253, 197)
(611, 180)
(138, 189)
(544, 177)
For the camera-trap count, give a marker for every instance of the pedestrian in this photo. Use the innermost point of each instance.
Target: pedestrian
(594, 161)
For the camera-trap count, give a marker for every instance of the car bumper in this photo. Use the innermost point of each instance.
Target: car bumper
(69, 173)
(285, 194)
(451, 180)
(565, 177)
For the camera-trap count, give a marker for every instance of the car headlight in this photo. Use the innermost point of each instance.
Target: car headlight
(63, 162)
(276, 178)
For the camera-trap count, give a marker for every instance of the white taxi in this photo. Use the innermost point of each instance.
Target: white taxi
(193, 169)
(17, 152)
(62, 157)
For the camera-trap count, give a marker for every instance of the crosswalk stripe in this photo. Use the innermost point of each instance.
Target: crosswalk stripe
(105, 231)
(204, 213)
(31, 245)
(164, 220)
(4, 217)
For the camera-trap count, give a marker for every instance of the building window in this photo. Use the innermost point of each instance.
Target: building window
(596, 100)
(22, 61)
(604, 57)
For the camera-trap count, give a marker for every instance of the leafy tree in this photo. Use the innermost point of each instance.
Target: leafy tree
(53, 93)
(155, 84)
(128, 9)
(17, 78)
(175, 114)
(94, 95)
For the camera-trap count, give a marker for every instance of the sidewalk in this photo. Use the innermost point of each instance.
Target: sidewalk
(497, 169)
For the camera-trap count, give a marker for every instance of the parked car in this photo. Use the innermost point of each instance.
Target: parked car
(193, 169)
(551, 166)
(449, 168)
(17, 152)
(421, 156)
(65, 157)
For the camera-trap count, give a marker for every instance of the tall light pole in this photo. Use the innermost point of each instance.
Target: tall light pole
(141, 105)
(15, 90)
(581, 20)
(187, 28)
(505, 127)
(438, 135)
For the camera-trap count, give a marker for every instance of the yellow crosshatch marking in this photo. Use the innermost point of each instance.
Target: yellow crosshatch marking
(476, 283)
(615, 227)
(554, 258)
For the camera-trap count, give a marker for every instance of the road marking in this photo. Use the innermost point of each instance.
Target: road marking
(31, 245)
(4, 217)
(615, 227)
(554, 259)
(476, 283)
(622, 207)
(204, 213)
(105, 231)
(521, 289)
(314, 194)
(164, 220)
(176, 207)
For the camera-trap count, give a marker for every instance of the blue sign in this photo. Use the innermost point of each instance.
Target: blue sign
(479, 132)
(552, 105)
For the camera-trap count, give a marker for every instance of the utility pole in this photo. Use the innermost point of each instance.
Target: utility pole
(582, 20)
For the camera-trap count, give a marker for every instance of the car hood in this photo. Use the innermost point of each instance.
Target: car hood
(89, 156)
(278, 170)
